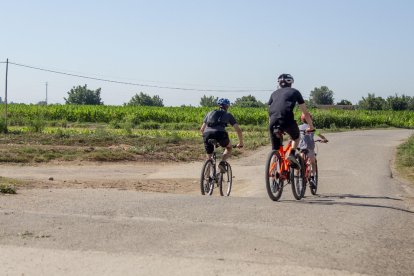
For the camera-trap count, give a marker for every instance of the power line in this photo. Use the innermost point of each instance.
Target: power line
(139, 84)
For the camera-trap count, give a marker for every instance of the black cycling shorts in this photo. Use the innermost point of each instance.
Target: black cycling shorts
(222, 138)
(290, 127)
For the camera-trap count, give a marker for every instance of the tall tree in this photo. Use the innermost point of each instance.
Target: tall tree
(209, 101)
(146, 100)
(322, 95)
(398, 102)
(83, 95)
(248, 101)
(372, 103)
(344, 102)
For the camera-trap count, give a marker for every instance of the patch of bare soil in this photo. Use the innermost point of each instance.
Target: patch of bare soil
(166, 177)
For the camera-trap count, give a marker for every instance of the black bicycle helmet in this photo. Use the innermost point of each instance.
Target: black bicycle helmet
(285, 80)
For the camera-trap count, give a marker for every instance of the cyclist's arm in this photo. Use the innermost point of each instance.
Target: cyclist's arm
(203, 127)
(323, 137)
(307, 115)
(239, 135)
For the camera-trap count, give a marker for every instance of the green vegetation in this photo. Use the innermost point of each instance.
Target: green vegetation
(8, 186)
(322, 95)
(117, 133)
(405, 159)
(209, 101)
(82, 95)
(396, 103)
(19, 114)
(145, 100)
(248, 101)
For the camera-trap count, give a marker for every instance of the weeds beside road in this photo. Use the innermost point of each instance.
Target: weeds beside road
(405, 159)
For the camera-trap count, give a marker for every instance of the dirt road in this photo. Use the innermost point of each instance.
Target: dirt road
(362, 221)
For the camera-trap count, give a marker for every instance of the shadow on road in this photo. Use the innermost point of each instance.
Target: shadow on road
(342, 196)
(331, 200)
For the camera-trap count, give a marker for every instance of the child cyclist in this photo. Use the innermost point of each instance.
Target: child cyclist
(307, 142)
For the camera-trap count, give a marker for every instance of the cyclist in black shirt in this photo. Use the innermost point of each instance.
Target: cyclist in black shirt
(214, 127)
(281, 105)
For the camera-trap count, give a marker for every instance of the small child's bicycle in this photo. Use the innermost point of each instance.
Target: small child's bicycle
(211, 175)
(278, 171)
(310, 178)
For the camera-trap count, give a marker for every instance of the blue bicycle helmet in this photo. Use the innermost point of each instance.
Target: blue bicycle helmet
(223, 102)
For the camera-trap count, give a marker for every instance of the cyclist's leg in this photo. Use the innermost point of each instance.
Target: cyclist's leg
(312, 159)
(293, 130)
(273, 122)
(207, 146)
(224, 141)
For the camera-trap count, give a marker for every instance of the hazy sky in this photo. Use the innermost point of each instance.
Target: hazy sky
(354, 47)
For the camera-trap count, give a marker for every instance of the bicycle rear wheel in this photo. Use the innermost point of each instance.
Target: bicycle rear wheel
(297, 179)
(207, 178)
(314, 187)
(226, 181)
(274, 184)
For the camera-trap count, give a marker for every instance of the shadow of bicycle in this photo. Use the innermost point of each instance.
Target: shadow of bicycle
(344, 196)
(332, 200)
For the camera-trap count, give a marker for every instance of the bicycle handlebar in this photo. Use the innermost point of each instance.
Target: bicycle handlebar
(215, 143)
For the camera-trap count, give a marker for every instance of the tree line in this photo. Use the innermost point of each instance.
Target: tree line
(318, 96)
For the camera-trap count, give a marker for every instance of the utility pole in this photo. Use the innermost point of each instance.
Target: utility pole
(5, 99)
(46, 93)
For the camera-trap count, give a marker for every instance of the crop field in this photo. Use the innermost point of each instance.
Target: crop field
(19, 115)
(114, 133)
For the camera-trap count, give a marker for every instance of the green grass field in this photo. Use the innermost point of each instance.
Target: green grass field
(125, 133)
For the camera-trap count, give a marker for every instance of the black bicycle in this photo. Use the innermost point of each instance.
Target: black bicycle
(212, 176)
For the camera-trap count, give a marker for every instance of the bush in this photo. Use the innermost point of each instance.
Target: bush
(150, 125)
(37, 125)
(3, 126)
(7, 189)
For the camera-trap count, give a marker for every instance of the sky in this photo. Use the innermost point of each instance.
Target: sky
(238, 47)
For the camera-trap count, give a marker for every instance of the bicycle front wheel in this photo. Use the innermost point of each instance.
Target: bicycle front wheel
(314, 181)
(297, 179)
(207, 178)
(226, 181)
(274, 183)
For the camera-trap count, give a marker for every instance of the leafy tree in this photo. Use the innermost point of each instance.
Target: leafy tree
(372, 103)
(146, 100)
(248, 101)
(309, 105)
(411, 104)
(209, 101)
(322, 95)
(42, 103)
(344, 102)
(83, 95)
(398, 103)
(1, 101)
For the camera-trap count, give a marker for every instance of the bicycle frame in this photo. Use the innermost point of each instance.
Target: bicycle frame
(215, 177)
(283, 152)
(307, 165)
(306, 160)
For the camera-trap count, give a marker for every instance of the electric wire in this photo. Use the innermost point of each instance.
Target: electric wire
(139, 84)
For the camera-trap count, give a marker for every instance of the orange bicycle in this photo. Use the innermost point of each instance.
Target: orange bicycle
(279, 171)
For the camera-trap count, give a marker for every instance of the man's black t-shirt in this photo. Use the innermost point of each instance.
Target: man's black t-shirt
(282, 102)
